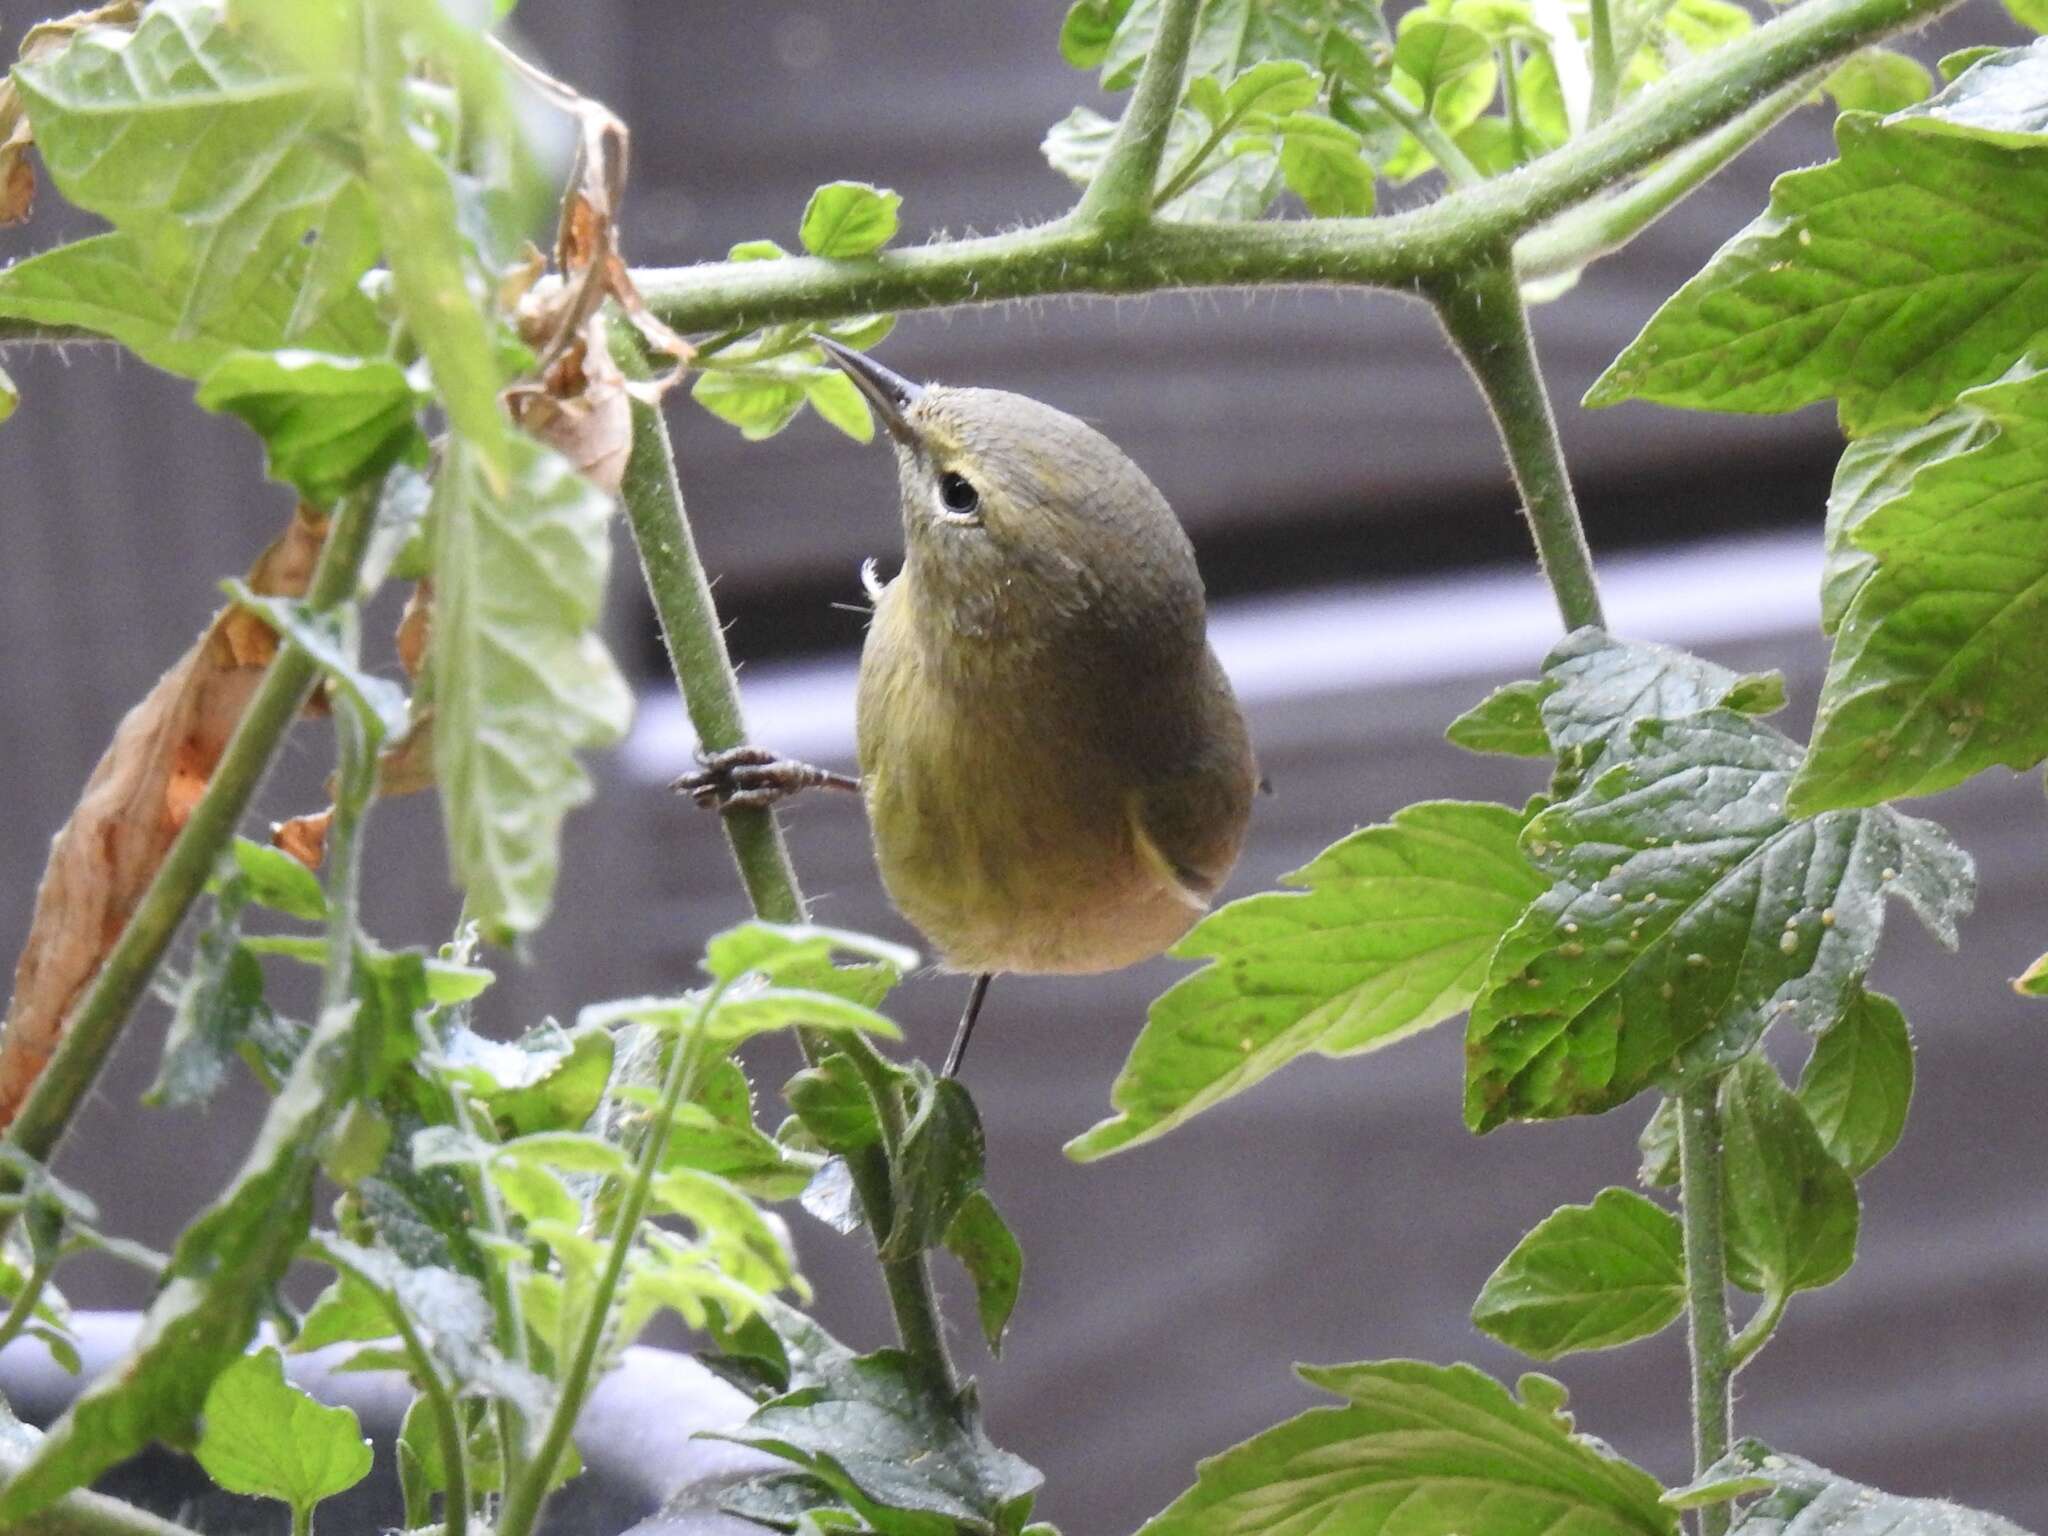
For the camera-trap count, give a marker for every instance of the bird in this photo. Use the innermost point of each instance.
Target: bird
(1057, 774)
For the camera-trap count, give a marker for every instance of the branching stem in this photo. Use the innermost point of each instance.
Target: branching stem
(1120, 197)
(1457, 167)
(1706, 1285)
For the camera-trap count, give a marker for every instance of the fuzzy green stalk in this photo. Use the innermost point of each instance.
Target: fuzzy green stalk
(1706, 1285)
(524, 1499)
(1120, 197)
(1482, 312)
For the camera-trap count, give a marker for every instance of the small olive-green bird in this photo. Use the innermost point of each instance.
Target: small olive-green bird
(1057, 774)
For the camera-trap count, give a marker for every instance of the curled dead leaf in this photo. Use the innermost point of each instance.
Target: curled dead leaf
(580, 408)
(415, 628)
(140, 794)
(406, 767)
(304, 837)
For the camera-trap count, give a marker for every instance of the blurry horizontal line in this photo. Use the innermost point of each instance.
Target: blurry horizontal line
(1349, 641)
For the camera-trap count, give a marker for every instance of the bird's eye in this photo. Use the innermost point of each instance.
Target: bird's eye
(958, 495)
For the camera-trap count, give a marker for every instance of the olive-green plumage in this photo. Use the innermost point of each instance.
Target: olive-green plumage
(1056, 772)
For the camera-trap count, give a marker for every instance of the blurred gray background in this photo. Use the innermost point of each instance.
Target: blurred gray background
(1371, 579)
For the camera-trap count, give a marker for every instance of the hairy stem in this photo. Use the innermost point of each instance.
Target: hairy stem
(1120, 196)
(523, 1500)
(1606, 68)
(124, 975)
(1398, 251)
(24, 1309)
(653, 500)
(1458, 169)
(1706, 1285)
(1600, 228)
(1482, 313)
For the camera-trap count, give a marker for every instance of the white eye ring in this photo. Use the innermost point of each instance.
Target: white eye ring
(959, 501)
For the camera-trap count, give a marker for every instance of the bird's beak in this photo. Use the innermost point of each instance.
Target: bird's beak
(890, 394)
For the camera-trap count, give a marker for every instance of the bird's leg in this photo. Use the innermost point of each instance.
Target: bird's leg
(752, 779)
(975, 995)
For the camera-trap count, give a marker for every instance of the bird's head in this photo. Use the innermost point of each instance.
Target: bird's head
(1012, 509)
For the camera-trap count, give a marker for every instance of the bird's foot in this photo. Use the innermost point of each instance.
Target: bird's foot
(752, 779)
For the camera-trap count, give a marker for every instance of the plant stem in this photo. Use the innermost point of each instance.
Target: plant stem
(1606, 68)
(447, 1422)
(94, 1514)
(1397, 251)
(523, 1500)
(1756, 1333)
(124, 975)
(1120, 197)
(24, 1307)
(653, 500)
(1600, 228)
(1457, 167)
(1191, 170)
(1483, 314)
(1706, 1285)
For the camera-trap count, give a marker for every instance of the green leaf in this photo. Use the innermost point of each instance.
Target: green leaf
(1658, 1143)
(1326, 170)
(1508, 721)
(1275, 86)
(1587, 1277)
(10, 397)
(849, 218)
(833, 1104)
(1689, 913)
(730, 1228)
(520, 679)
(328, 423)
(279, 881)
(2005, 101)
(1417, 1450)
(1874, 470)
(551, 1079)
(225, 1265)
(1075, 146)
(982, 1241)
(838, 399)
(216, 160)
(1791, 1208)
(102, 285)
(1701, 26)
(1859, 1081)
(870, 1429)
(1433, 51)
(1878, 80)
(759, 404)
(1806, 1500)
(1930, 680)
(937, 1169)
(798, 954)
(1950, 65)
(1870, 279)
(1596, 689)
(266, 1437)
(220, 1003)
(1085, 34)
(715, 1133)
(1390, 936)
(738, 1018)
(2031, 14)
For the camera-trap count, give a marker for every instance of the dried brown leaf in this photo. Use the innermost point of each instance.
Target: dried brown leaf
(304, 837)
(139, 795)
(415, 628)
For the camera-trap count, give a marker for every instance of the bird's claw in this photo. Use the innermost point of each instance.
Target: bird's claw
(752, 779)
